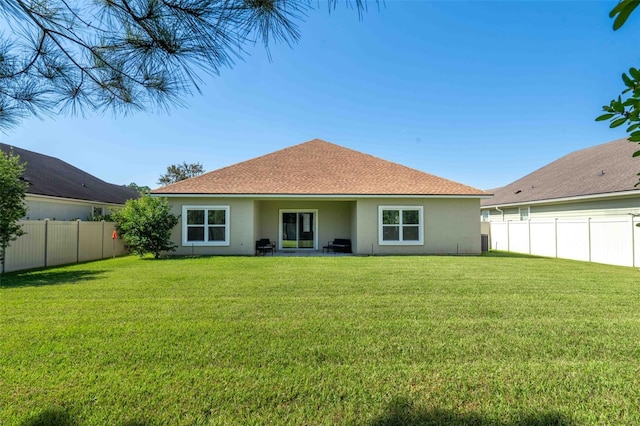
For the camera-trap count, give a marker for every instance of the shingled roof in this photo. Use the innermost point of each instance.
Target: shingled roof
(53, 177)
(318, 168)
(602, 169)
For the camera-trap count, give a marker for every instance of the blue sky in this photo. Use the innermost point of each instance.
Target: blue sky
(478, 92)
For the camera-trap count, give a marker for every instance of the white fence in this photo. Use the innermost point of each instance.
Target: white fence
(612, 240)
(50, 243)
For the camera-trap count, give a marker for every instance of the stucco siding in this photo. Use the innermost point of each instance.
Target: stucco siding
(241, 231)
(451, 226)
(333, 218)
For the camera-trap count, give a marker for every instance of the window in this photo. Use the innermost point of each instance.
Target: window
(205, 225)
(524, 213)
(400, 225)
(485, 215)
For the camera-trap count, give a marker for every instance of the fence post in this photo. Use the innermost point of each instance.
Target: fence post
(77, 240)
(46, 241)
(555, 234)
(102, 242)
(589, 236)
(633, 242)
(508, 237)
(529, 232)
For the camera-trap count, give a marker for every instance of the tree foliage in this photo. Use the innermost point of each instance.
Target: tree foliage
(144, 189)
(12, 207)
(145, 225)
(177, 172)
(127, 55)
(625, 109)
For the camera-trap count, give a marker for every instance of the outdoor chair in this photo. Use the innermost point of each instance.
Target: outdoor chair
(338, 245)
(264, 246)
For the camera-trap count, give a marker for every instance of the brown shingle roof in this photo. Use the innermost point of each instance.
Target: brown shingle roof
(602, 169)
(53, 177)
(318, 168)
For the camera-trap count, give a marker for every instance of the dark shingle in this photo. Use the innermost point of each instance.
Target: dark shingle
(601, 169)
(53, 177)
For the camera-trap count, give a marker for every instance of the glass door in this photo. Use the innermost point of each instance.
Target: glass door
(298, 229)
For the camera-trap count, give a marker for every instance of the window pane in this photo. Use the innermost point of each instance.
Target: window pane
(217, 217)
(410, 233)
(195, 217)
(195, 233)
(390, 217)
(390, 233)
(410, 217)
(216, 233)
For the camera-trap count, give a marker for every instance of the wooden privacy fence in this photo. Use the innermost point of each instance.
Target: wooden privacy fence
(50, 243)
(614, 240)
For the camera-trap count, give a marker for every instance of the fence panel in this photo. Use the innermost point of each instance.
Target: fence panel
(500, 236)
(50, 243)
(62, 243)
(519, 237)
(111, 247)
(543, 238)
(28, 251)
(611, 241)
(573, 239)
(90, 241)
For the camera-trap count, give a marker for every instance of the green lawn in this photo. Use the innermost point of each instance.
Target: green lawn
(491, 340)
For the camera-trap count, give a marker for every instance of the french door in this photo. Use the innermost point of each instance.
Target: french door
(298, 229)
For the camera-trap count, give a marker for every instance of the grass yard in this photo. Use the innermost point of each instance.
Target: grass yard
(491, 340)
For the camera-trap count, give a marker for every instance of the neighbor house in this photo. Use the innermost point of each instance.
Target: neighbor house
(592, 182)
(60, 191)
(304, 196)
(583, 206)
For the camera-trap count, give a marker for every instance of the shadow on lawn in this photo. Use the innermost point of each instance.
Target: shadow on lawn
(402, 412)
(497, 253)
(51, 417)
(46, 277)
(60, 417)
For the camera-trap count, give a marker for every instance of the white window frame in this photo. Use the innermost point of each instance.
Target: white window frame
(400, 242)
(227, 225)
(524, 213)
(485, 215)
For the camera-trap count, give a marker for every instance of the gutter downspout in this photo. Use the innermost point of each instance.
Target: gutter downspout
(501, 212)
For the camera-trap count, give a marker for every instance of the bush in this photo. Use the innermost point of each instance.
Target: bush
(145, 225)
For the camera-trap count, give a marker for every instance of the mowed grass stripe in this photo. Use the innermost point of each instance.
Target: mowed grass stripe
(494, 340)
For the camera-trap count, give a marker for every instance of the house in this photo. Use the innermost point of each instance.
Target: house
(60, 191)
(583, 206)
(592, 182)
(306, 195)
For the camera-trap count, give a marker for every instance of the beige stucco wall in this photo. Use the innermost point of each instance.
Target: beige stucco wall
(451, 226)
(241, 233)
(333, 218)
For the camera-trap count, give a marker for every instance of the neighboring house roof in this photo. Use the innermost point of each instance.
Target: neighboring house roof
(53, 177)
(603, 169)
(318, 168)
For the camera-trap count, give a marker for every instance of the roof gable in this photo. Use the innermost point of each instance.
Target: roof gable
(54, 178)
(318, 168)
(602, 169)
